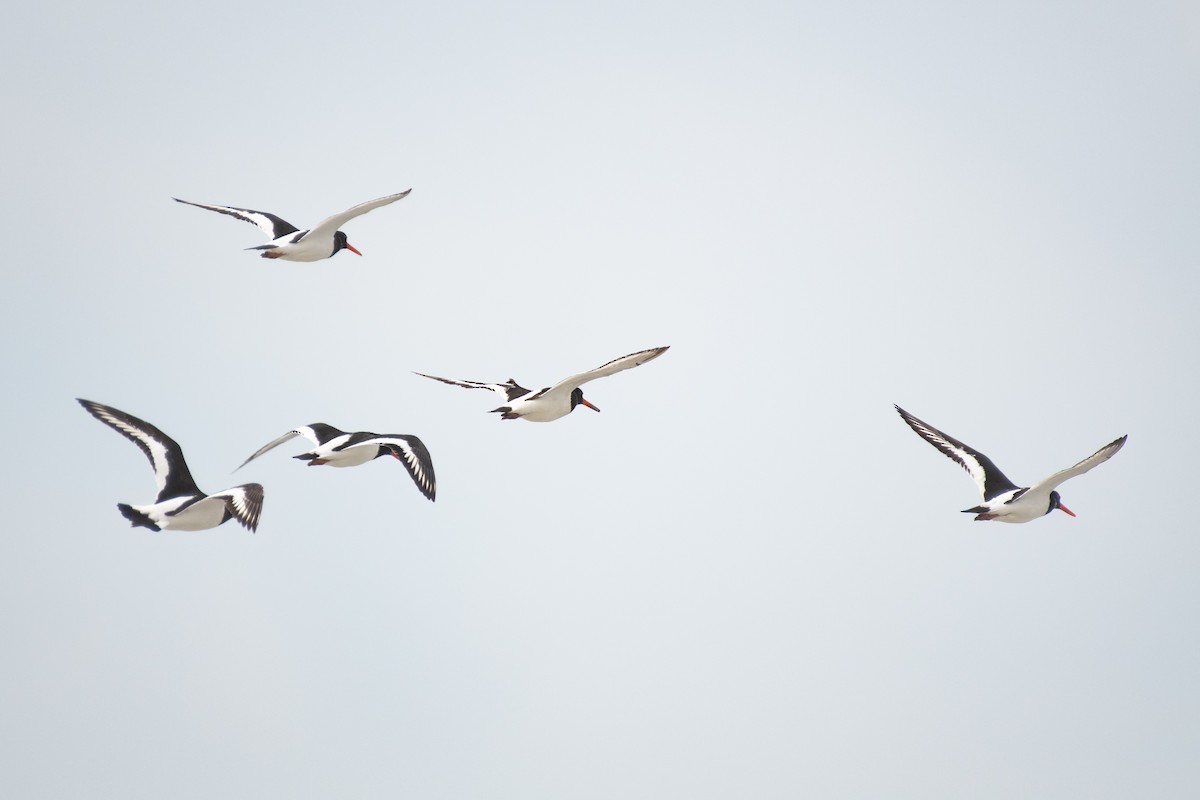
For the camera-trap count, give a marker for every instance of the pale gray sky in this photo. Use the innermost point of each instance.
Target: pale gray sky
(746, 577)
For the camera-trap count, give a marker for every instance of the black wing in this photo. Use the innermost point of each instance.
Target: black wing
(270, 224)
(166, 457)
(988, 477)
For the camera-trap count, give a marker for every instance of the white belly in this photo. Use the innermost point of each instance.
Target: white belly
(199, 516)
(307, 249)
(541, 411)
(352, 456)
(1023, 509)
(1021, 514)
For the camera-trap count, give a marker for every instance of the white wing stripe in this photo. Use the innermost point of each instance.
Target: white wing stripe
(155, 449)
(416, 458)
(965, 459)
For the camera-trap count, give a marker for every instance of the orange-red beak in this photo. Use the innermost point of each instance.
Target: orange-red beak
(353, 249)
(1063, 508)
(589, 405)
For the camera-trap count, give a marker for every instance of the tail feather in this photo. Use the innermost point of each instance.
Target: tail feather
(136, 518)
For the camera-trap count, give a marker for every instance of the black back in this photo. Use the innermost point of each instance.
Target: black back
(357, 437)
(325, 432)
(282, 226)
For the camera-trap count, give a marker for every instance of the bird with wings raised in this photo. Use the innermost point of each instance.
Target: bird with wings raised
(1004, 500)
(180, 505)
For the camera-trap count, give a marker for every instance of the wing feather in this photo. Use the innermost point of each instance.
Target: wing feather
(318, 433)
(244, 503)
(414, 455)
(604, 370)
(327, 227)
(271, 225)
(509, 391)
(171, 472)
(1095, 459)
(988, 477)
(271, 445)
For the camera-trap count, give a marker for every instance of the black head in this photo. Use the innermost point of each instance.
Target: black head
(577, 399)
(1056, 502)
(340, 242)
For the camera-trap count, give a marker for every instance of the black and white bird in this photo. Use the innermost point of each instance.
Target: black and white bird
(292, 244)
(340, 449)
(1003, 499)
(180, 505)
(552, 402)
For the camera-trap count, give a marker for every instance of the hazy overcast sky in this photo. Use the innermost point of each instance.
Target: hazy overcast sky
(746, 577)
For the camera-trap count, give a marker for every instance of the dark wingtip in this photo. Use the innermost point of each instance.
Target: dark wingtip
(90, 406)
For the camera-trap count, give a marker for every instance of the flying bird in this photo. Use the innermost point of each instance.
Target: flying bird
(179, 505)
(292, 244)
(553, 402)
(1003, 499)
(340, 449)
